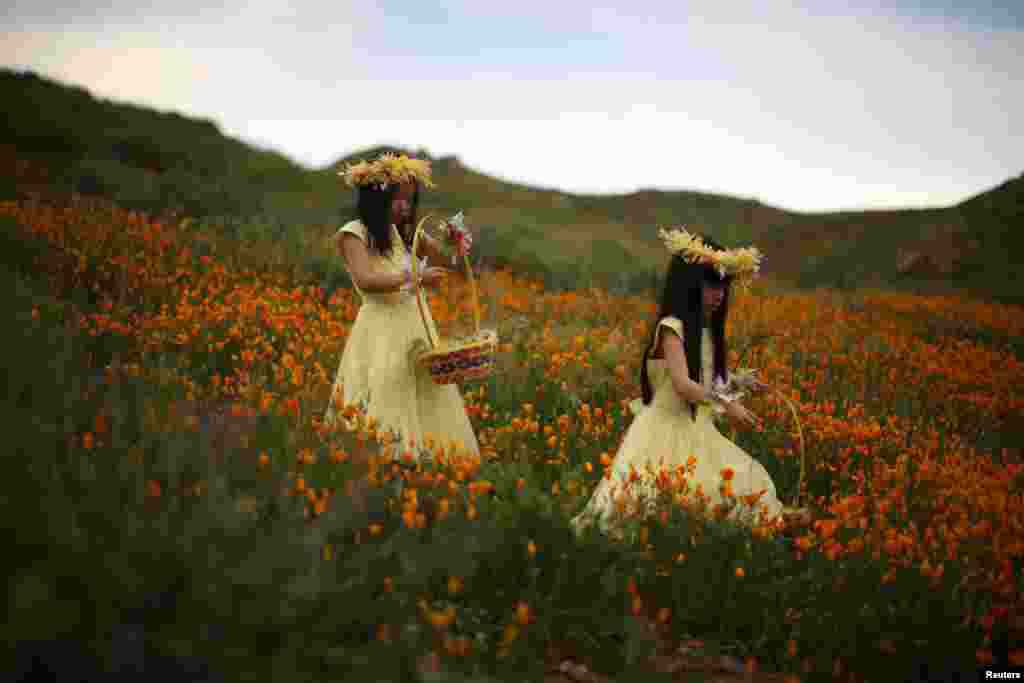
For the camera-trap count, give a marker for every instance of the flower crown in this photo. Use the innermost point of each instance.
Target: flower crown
(387, 169)
(742, 264)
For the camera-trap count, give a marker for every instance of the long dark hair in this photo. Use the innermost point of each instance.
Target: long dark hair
(374, 208)
(683, 298)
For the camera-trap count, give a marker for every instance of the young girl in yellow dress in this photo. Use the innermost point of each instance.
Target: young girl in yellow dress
(376, 369)
(687, 351)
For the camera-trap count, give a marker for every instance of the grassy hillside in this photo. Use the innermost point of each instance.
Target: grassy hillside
(160, 162)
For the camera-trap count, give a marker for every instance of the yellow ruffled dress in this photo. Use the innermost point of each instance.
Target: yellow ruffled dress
(377, 367)
(665, 429)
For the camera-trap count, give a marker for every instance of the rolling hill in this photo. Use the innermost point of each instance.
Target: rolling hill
(163, 161)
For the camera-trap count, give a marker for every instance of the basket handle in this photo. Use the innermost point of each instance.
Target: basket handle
(414, 262)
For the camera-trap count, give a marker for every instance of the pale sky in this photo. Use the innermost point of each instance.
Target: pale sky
(805, 106)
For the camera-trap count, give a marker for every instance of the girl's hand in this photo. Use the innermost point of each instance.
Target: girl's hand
(740, 415)
(428, 277)
(433, 276)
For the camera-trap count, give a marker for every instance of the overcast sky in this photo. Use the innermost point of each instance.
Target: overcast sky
(805, 106)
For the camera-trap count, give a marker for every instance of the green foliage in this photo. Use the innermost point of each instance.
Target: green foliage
(511, 245)
(18, 253)
(115, 179)
(607, 260)
(249, 593)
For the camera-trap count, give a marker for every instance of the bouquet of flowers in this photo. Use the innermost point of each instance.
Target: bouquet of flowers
(739, 384)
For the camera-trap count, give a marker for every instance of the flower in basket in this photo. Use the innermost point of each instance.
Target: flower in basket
(457, 240)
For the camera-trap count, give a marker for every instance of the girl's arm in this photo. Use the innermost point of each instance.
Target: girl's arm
(675, 357)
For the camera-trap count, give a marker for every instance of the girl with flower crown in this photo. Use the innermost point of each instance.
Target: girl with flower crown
(683, 377)
(377, 369)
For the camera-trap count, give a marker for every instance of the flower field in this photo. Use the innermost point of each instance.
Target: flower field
(911, 411)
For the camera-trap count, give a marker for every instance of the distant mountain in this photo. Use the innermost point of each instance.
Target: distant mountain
(159, 161)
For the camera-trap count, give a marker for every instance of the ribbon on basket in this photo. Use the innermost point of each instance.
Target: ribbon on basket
(407, 270)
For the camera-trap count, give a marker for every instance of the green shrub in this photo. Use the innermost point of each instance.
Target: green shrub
(125, 184)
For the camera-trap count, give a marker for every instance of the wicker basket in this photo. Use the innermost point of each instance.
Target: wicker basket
(455, 361)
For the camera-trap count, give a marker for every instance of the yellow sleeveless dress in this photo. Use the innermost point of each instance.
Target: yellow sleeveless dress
(377, 370)
(665, 429)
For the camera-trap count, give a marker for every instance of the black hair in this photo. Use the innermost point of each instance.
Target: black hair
(374, 208)
(683, 299)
